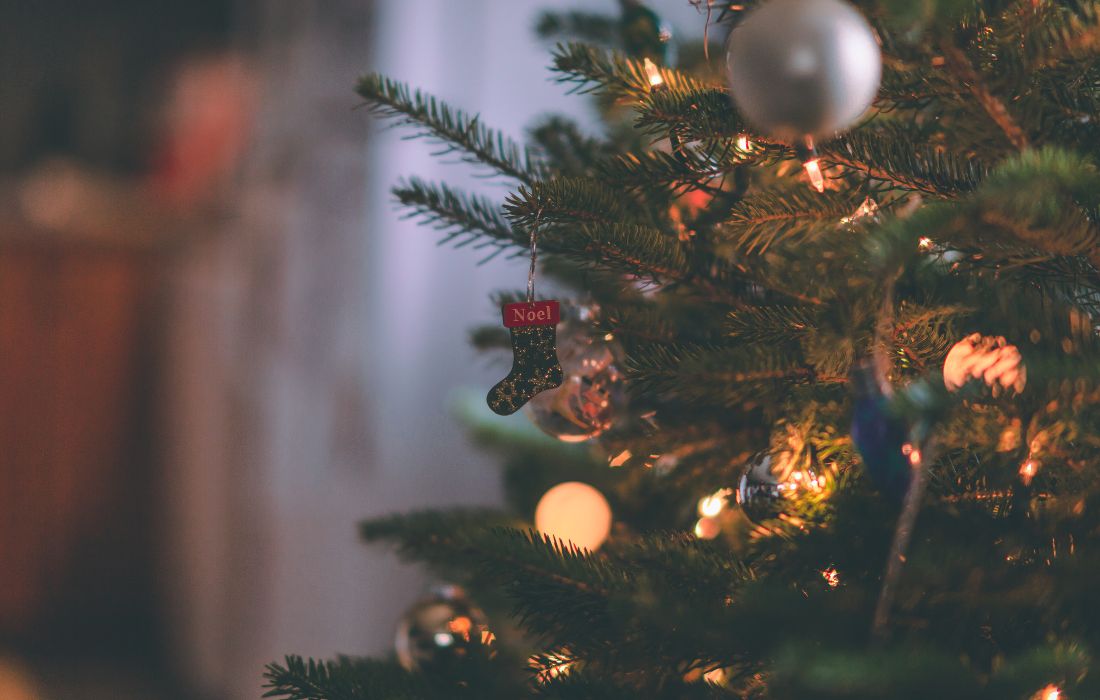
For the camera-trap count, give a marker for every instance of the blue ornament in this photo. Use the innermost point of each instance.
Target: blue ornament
(881, 436)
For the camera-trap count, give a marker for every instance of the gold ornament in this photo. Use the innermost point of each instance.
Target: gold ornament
(988, 358)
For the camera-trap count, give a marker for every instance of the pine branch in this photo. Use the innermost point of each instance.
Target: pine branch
(660, 172)
(582, 685)
(445, 539)
(466, 219)
(743, 377)
(970, 79)
(579, 25)
(457, 131)
(790, 215)
(569, 201)
(771, 324)
(343, 679)
(565, 148)
(593, 70)
(890, 156)
(631, 248)
(692, 112)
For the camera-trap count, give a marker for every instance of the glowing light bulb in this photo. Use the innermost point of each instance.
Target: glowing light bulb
(712, 505)
(743, 142)
(1028, 470)
(574, 512)
(813, 171)
(869, 207)
(707, 528)
(925, 243)
(912, 452)
(653, 74)
(1051, 692)
(831, 576)
(620, 459)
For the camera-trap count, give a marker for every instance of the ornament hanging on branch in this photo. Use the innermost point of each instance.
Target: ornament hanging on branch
(883, 438)
(592, 392)
(770, 481)
(444, 635)
(801, 70)
(535, 366)
(987, 358)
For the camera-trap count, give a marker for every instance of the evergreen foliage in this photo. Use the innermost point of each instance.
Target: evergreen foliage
(741, 300)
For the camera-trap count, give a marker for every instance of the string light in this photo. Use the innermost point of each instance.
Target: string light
(869, 207)
(912, 452)
(1051, 692)
(925, 243)
(813, 171)
(1028, 470)
(712, 505)
(707, 528)
(653, 74)
(619, 459)
(807, 153)
(743, 142)
(831, 576)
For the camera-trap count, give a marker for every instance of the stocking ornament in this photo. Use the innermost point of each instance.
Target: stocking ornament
(535, 365)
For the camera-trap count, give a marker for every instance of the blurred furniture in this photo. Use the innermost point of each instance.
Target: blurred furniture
(75, 482)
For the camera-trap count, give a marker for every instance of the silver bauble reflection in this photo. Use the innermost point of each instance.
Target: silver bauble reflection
(802, 68)
(759, 494)
(592, 393)
(442, 634)
(768, 482)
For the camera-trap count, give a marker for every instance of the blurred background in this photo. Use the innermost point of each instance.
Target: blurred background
(220, 347)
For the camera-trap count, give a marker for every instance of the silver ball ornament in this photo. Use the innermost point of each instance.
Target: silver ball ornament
(768, 482)
(442, 634)
(801, 68)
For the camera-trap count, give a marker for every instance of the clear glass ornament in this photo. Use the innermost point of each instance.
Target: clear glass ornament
(592, 393)
(443, 633)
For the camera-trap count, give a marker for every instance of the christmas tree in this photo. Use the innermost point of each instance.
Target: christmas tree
(838, 379)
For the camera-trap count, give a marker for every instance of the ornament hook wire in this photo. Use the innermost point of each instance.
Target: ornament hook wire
(534, 257)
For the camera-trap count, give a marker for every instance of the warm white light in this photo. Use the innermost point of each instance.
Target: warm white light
(712, 505)
(653, 74)
(1028, 470)
(620, 459)
(574, 512)
(831, 576)
(869, 207)
(813, 171)
(912, 452)
(925, 243)
(707, 528)
(743, 142)
(442, 639)
(1051, 692)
